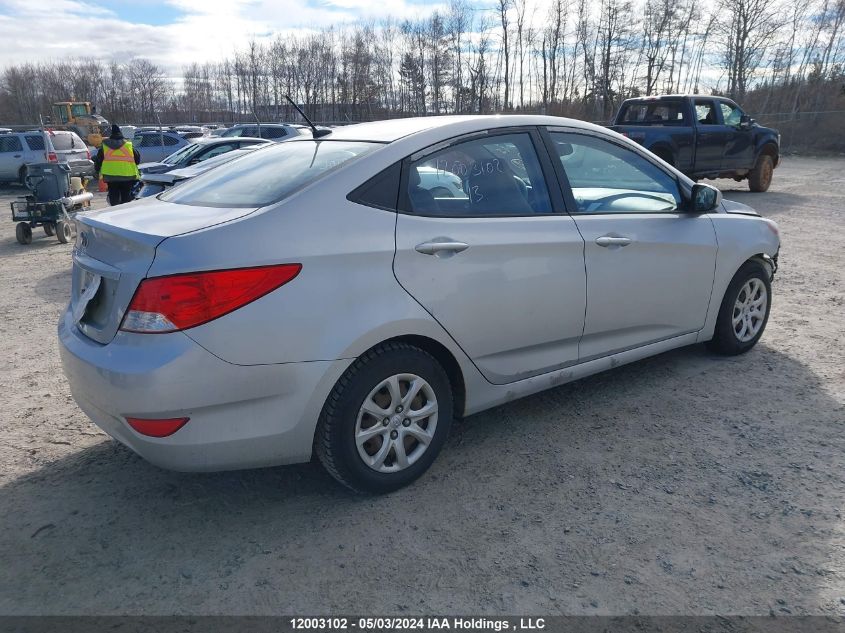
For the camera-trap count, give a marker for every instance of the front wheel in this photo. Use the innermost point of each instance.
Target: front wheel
(49, 230)
(744, 311)
(386, 419)
(760, 177)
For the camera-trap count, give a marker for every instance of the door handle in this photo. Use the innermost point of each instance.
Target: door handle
(17, 155)
(609, 240)
(441, 245)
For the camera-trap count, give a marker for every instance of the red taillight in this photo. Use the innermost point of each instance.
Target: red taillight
(52, 157)
(88, 153)
(157, 428)
(178, 302)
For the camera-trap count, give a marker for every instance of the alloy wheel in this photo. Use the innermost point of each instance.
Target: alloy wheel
(749, 310)
(396, 423)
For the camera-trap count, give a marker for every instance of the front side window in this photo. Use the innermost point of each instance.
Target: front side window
(10, 144)
(731, 114)
(705, 113)
(496, 175)
(609, 178)
(267, 175)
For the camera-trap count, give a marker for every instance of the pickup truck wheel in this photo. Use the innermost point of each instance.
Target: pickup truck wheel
(761, 176)
(22, 176)
(665, 156)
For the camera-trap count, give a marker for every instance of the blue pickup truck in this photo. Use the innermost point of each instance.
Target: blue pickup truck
(702, 136)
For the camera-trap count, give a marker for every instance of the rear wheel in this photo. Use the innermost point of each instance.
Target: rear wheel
(386, 419)
(665, 155)
(760, 177)
(49, 229)
(22, 175)
(744, 311)
(63, 231)
(23, 233)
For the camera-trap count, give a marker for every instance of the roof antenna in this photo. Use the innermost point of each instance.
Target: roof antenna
(316, 132)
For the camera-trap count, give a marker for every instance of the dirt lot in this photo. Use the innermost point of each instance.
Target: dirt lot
(682, 484)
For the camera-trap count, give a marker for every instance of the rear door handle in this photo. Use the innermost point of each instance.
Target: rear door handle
(609, 240)
(443, 246)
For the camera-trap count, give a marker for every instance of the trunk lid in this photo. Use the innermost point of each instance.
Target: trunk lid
(114, 250)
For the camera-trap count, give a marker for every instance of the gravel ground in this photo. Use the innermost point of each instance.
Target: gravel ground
(683, 484)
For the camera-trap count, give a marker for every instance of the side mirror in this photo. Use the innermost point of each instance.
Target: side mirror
(704, 198)
(745, 122)
(565, 149)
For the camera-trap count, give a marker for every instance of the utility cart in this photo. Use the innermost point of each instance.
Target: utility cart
(54, 200)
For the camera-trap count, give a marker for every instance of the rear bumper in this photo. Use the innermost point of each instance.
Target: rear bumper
(240, 416)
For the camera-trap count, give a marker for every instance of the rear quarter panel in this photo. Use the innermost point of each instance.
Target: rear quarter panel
(345, 300)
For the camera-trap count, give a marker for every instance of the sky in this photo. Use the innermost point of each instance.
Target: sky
(172, 33)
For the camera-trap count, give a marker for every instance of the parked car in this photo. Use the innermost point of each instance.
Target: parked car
(19, 149)
(152, 184)
(199, 151)
(315, 295)
(155, 146)
(272, 131)
(703, 136)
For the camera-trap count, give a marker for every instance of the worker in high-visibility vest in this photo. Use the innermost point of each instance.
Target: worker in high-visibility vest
(117, 163)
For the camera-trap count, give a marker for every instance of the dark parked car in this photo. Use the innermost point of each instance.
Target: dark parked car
(153, 183)
(702, 136)
(272, 131)
(201, 150)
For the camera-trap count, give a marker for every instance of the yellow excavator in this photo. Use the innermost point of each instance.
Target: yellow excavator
(79, 117)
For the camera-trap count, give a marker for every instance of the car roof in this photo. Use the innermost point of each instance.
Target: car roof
(452, 125)
(678, 96)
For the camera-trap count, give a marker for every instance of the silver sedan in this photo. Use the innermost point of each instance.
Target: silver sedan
(352, 295)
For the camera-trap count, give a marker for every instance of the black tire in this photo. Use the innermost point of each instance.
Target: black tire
(49, 229)
(725, 340)
(23, 233)
(760, 177)
(63, 231)
(665, 155)
(22, 176)
(334, 441)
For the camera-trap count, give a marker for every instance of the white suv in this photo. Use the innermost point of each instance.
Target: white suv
(19, 149)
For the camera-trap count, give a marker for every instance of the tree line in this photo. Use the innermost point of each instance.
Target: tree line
(562, 57)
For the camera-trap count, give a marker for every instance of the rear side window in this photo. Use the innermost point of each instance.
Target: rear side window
(705, 113)
(35, 141)
(170, 140)
(273, 132)
(496, 175)
(380, 191)
(267, 175)
(10, 144)
(653, 113)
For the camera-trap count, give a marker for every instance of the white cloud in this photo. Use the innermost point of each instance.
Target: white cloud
(207, 30)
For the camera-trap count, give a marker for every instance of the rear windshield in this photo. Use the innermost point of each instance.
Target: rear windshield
(653, 113)
(63, 142)
(267, 175)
